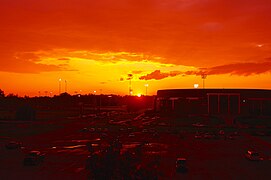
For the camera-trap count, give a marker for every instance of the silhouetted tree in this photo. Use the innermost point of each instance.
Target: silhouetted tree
(11, 95)
(2, 94)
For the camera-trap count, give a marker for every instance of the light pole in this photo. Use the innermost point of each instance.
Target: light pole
(66, 84)
(146, 85)
(95, 102)
(59, 86)
(130, 77)
(100, 101)
(203, 76)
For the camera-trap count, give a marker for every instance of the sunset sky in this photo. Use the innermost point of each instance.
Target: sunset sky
(94, 44)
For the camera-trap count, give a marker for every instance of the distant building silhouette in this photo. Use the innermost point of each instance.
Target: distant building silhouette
(215, 102)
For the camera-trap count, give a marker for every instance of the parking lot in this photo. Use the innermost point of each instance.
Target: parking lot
(208, 157)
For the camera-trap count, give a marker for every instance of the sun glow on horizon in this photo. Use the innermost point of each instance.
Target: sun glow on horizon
(168, 45)
(92, 70)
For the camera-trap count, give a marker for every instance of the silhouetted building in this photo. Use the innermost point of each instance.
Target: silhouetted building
(232, 102)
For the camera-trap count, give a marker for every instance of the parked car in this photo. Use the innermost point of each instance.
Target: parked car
(34, 158)
(198, 135)
(92, 130)
(231, 137)
(162, 124)
(198, 125)
(131, 135)
(260, 133)
(221, 132)
(181, 165)
(208, 136)
(253, 156)
(145, 130)
(84, 130)
(13, 145)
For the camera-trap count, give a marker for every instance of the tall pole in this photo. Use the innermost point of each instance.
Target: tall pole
(146, 85)
(130, 87)
(95, 101)
(203, 76)
(59, 86)
(130, 76)
(65, 86)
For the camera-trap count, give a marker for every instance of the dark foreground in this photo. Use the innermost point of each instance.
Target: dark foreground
(143, 148)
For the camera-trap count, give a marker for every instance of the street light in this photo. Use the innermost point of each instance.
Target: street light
(130, 77)
(66, 84)
(100, 101)
(59, 86)
(203, 76)
(196, 86)
(146, 85)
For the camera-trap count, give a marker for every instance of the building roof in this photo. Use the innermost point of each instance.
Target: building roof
(255, 93)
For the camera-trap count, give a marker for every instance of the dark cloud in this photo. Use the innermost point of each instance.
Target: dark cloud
(29, 67)
(137, 72)
(64, 59)
(158, 75)
(241, 69)
(26, 63)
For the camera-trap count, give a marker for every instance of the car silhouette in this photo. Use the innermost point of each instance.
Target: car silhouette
(13, 145)
(198, 135)
(253, 156)
(34, 158)
(181, 165)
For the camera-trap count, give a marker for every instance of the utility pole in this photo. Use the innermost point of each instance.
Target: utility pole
(146, 85)
(203, 76)
(130, 77)
(66, 86)
(59, 86)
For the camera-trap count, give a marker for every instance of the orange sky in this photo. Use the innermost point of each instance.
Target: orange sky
(94, 45)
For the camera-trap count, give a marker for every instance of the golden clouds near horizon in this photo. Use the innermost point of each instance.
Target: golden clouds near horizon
(108, 65)
(107, 72)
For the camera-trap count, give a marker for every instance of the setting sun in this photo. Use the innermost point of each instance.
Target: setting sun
(135, 89)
